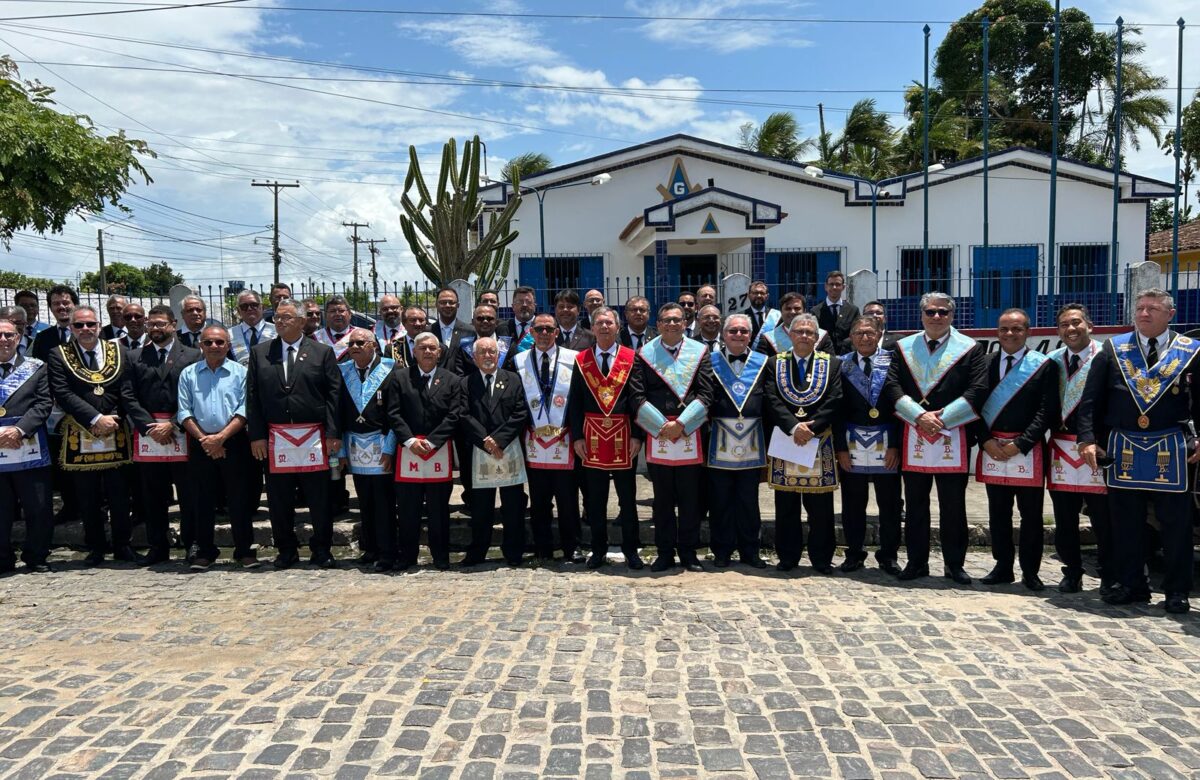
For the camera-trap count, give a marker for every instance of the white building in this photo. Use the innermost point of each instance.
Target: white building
(681, 211)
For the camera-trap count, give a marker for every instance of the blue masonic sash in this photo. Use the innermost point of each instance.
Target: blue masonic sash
(1153, 460)
(1070, 390)
(770, 321)
(18, 377)
(361, 392)
(738, 386)
(502, 345)
(1011, 384)
(1149, 385)
(869, 387)
(737, 442)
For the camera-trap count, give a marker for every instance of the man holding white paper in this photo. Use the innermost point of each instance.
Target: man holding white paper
(937, 382)
(804, 401)
(672, 404)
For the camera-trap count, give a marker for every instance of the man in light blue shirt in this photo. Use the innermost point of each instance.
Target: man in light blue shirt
(212, 409)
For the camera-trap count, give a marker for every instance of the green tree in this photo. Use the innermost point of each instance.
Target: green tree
(525, 165)
(17, 281)
(160, 278)
(865, 145)
(121, 278)
(777, 136)
(1162, 214)
(439, 224)
(53, 165)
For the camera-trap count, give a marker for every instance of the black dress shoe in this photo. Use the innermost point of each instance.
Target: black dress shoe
(383, 565)
(404, 565)
(129, 555)
(1177, 604)
(754, 562)
(514, 562)
(785, 566)
(823, 568)
(441, 565)
(1118, 595)
(286, 559)
(721, 561)
(692, 564)
(573, 557)
(367, 558)
(958, 575)
(913, 572)
(157, 556)
(471, 560)
(597, 560)
(1032, 582)
(998, 576)
(94, 558)
(850, 564)
(634, 561)
(890, 567)
(323, 561)
(1106, 587)
(41, 567)
(1070, 583)
(662, 563)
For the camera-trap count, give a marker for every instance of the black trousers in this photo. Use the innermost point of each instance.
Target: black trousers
(952, 517)
(32, 489)
(281, 495)
(855, 492)
(676, 487)
(789, 529)
(376, 513)
(561, 487)
(596, 501)
(62, 483)
(1174, 514)
(512, 516)
(1067, 507)
(157, 496)
(735, 519)
(237, 471)
(434, 497)
(92, 489)
(1000, 523)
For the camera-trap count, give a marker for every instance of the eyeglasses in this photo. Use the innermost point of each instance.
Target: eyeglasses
(805, 334)
(245, 306)
(687, 304)
(738, 331)
(157, 325)
(313, 315)
(485, 319)
(670, 320)
(214, 342)
(357, 343)
(82, 325)
(9, 335)
(194, 310)
(544, 328)
(937, 312)
(135, 316)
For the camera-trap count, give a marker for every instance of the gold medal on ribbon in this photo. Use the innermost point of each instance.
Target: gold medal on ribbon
(98, 391)
(874, 413)
(3, 411)
(1143, 422)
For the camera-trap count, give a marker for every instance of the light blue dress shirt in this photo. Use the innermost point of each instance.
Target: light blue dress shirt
(213, 398)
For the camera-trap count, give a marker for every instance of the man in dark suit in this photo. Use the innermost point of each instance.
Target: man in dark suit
(448, 329)
(494, 419)
(195, 320)
(293, 391)
(708, 327)
(424, 408)
(867, 441)
(62, 300)
(571, 334)
(370, 446)
(759, 312)
(877, 310)
(24, 452)
(135, 327)
(155, 370)
(777, 339)
(115, 329)
(936, 411)
(1022, 400)
(836, 313)
(91, 381)
(483, 322)
(637, 330)
(524, 306)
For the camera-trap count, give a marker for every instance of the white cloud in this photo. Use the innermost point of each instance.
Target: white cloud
(722, 37)
(496, 41)
(648, 107)
(725, 129)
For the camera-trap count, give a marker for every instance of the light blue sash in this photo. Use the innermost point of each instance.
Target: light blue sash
(1011, 384)
(361, 392)
(926, 370)
(677, 373)
(18, 377)
(1070, 389)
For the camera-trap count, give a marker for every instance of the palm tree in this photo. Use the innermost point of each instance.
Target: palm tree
(1141, 107)
(526, 164)
(777, 136)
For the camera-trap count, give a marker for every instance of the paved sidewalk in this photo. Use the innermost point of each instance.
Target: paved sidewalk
(117, 672)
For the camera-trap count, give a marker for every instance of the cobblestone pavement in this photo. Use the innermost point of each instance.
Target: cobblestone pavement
(523, 673)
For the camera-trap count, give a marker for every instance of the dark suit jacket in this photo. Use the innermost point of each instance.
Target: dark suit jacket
(654, 391)
(837, 327)
(450, 352)
(31, 403)
(155, 385)
(466, 367)
(626, 338)
(966, 379)
(1029, 413)
(45, 342)
(77, 398)
(109, 332)
(820, 416)
(128, 344)
(374, 415)
(581, 339)
(509, 327)
(581, 402)
(1107, 403)
(311, 395)
(716, 344)
(856, 410)
(432, 413)
(503, 415)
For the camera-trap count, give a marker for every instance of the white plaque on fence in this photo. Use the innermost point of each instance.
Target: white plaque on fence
(735, 293)
(466, 300)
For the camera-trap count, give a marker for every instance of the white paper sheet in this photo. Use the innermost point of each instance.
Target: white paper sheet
(784, 447)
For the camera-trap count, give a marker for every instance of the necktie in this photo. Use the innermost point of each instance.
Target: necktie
(866, 366)
(362, 375)
(64, 335)
(520, 331)
(424, 382)
(5, 369)
(757, 315)
(802, 364)
(834, 308)
(1009, 360)
(933, 345)
(488, 383)
(604, 364)
(1152, 353)
(29, 331)
(89, 358)
(291, 362)
(545, 377)
(711, 345)
(254, 343)
(637, 340)
(1074, 365)
(338, 337)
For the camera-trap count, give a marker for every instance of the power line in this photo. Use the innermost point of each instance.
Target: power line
(127, 11)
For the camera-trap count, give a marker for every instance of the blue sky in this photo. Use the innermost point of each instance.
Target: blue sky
(216, 132)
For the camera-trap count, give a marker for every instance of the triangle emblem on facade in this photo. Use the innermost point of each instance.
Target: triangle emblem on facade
(710, 225)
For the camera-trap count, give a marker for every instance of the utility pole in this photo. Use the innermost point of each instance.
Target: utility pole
(100, 249)
(374, 250)
(355, 226)
(275, 187)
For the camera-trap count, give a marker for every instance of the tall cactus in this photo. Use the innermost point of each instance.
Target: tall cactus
(437, 225)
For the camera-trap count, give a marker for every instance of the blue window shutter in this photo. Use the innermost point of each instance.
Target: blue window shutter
(772, 277)
(826, 262)
(532, 271)
(591, 274)
(672, 274)
(648, 288)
